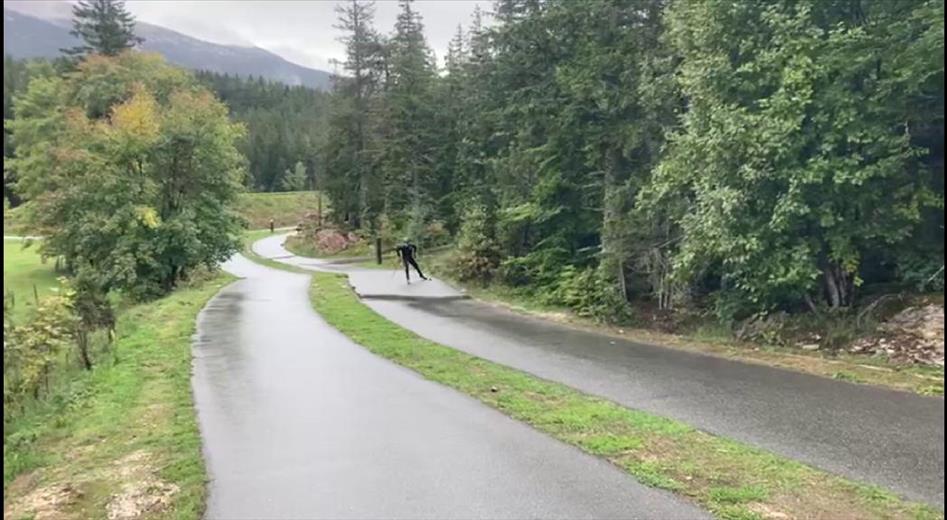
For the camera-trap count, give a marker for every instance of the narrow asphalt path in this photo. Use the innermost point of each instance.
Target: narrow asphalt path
(299, 422)
(870, 434)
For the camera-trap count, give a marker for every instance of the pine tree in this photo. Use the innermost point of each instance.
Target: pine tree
(759, 155)
(412, 187)
(351, 155)
(104, 26)
(295, 179)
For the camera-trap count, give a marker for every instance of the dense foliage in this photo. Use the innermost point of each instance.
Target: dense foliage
(16, 76)
(285, 126)
(754, 155)
(130, 167)
(33, 350)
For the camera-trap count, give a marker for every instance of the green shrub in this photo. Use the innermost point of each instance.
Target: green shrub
(924, 274)
(515, 272)
(477, 255)
(589, 294)
(32, 350)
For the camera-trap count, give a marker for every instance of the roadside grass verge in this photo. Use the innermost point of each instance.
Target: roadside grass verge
(122, 439)
(22, 270)
(732, 480)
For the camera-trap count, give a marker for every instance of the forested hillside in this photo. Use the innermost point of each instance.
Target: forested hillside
(285, 125)
(742, 157)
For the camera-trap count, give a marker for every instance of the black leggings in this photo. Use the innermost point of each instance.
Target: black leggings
(413, 263)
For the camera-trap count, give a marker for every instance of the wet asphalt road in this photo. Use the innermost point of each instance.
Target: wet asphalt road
(299, 422)
(889, 438)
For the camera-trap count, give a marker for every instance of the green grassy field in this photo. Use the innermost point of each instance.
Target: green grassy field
(286, 208)
(22, 270)
(732, 480)
(124, 433)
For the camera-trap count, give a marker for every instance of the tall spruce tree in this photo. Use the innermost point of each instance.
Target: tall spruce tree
(104, 26)
(410, 142)
(351, 156)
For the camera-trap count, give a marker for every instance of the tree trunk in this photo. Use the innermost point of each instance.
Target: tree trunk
(83, 342)
(839, 286)
(612, 260)
(622, 282)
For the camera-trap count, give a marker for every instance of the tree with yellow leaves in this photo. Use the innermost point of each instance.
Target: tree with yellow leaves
(131, 167)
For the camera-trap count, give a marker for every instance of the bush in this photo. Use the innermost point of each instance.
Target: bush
(924, 274)
(436, 234)
(515, 272)
(477, 254)
(35, 351)
(32, 350)
(589, 294)
(130, 168)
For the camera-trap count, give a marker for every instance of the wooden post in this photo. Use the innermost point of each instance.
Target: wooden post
(378, 250)
(35, 294)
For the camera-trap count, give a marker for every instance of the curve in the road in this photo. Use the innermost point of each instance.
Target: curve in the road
(299, 422)
(870, 434)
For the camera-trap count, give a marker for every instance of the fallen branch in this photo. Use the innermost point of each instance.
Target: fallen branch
(870, 308)
(931, 279)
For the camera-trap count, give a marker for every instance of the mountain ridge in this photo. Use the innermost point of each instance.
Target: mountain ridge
(28, 36)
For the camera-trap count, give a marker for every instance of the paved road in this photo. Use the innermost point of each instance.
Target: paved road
(299, 422)
(893, 439)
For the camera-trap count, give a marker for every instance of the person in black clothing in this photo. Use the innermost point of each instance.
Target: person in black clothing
(406, 252)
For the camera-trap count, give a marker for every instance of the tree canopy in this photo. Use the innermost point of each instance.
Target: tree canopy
(130, 166)
(752, 156)
(285, 125)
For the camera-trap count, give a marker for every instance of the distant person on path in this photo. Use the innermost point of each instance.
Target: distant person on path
(406, 252)
(272, 226)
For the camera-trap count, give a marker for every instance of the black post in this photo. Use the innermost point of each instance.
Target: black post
(378, 250)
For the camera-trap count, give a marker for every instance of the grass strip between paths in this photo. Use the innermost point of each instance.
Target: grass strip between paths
(732, 480)
(249, 237)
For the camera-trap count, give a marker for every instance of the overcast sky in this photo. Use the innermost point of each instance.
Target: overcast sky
(301, 31)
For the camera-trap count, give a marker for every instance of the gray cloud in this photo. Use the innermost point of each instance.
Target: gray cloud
(300, 31)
